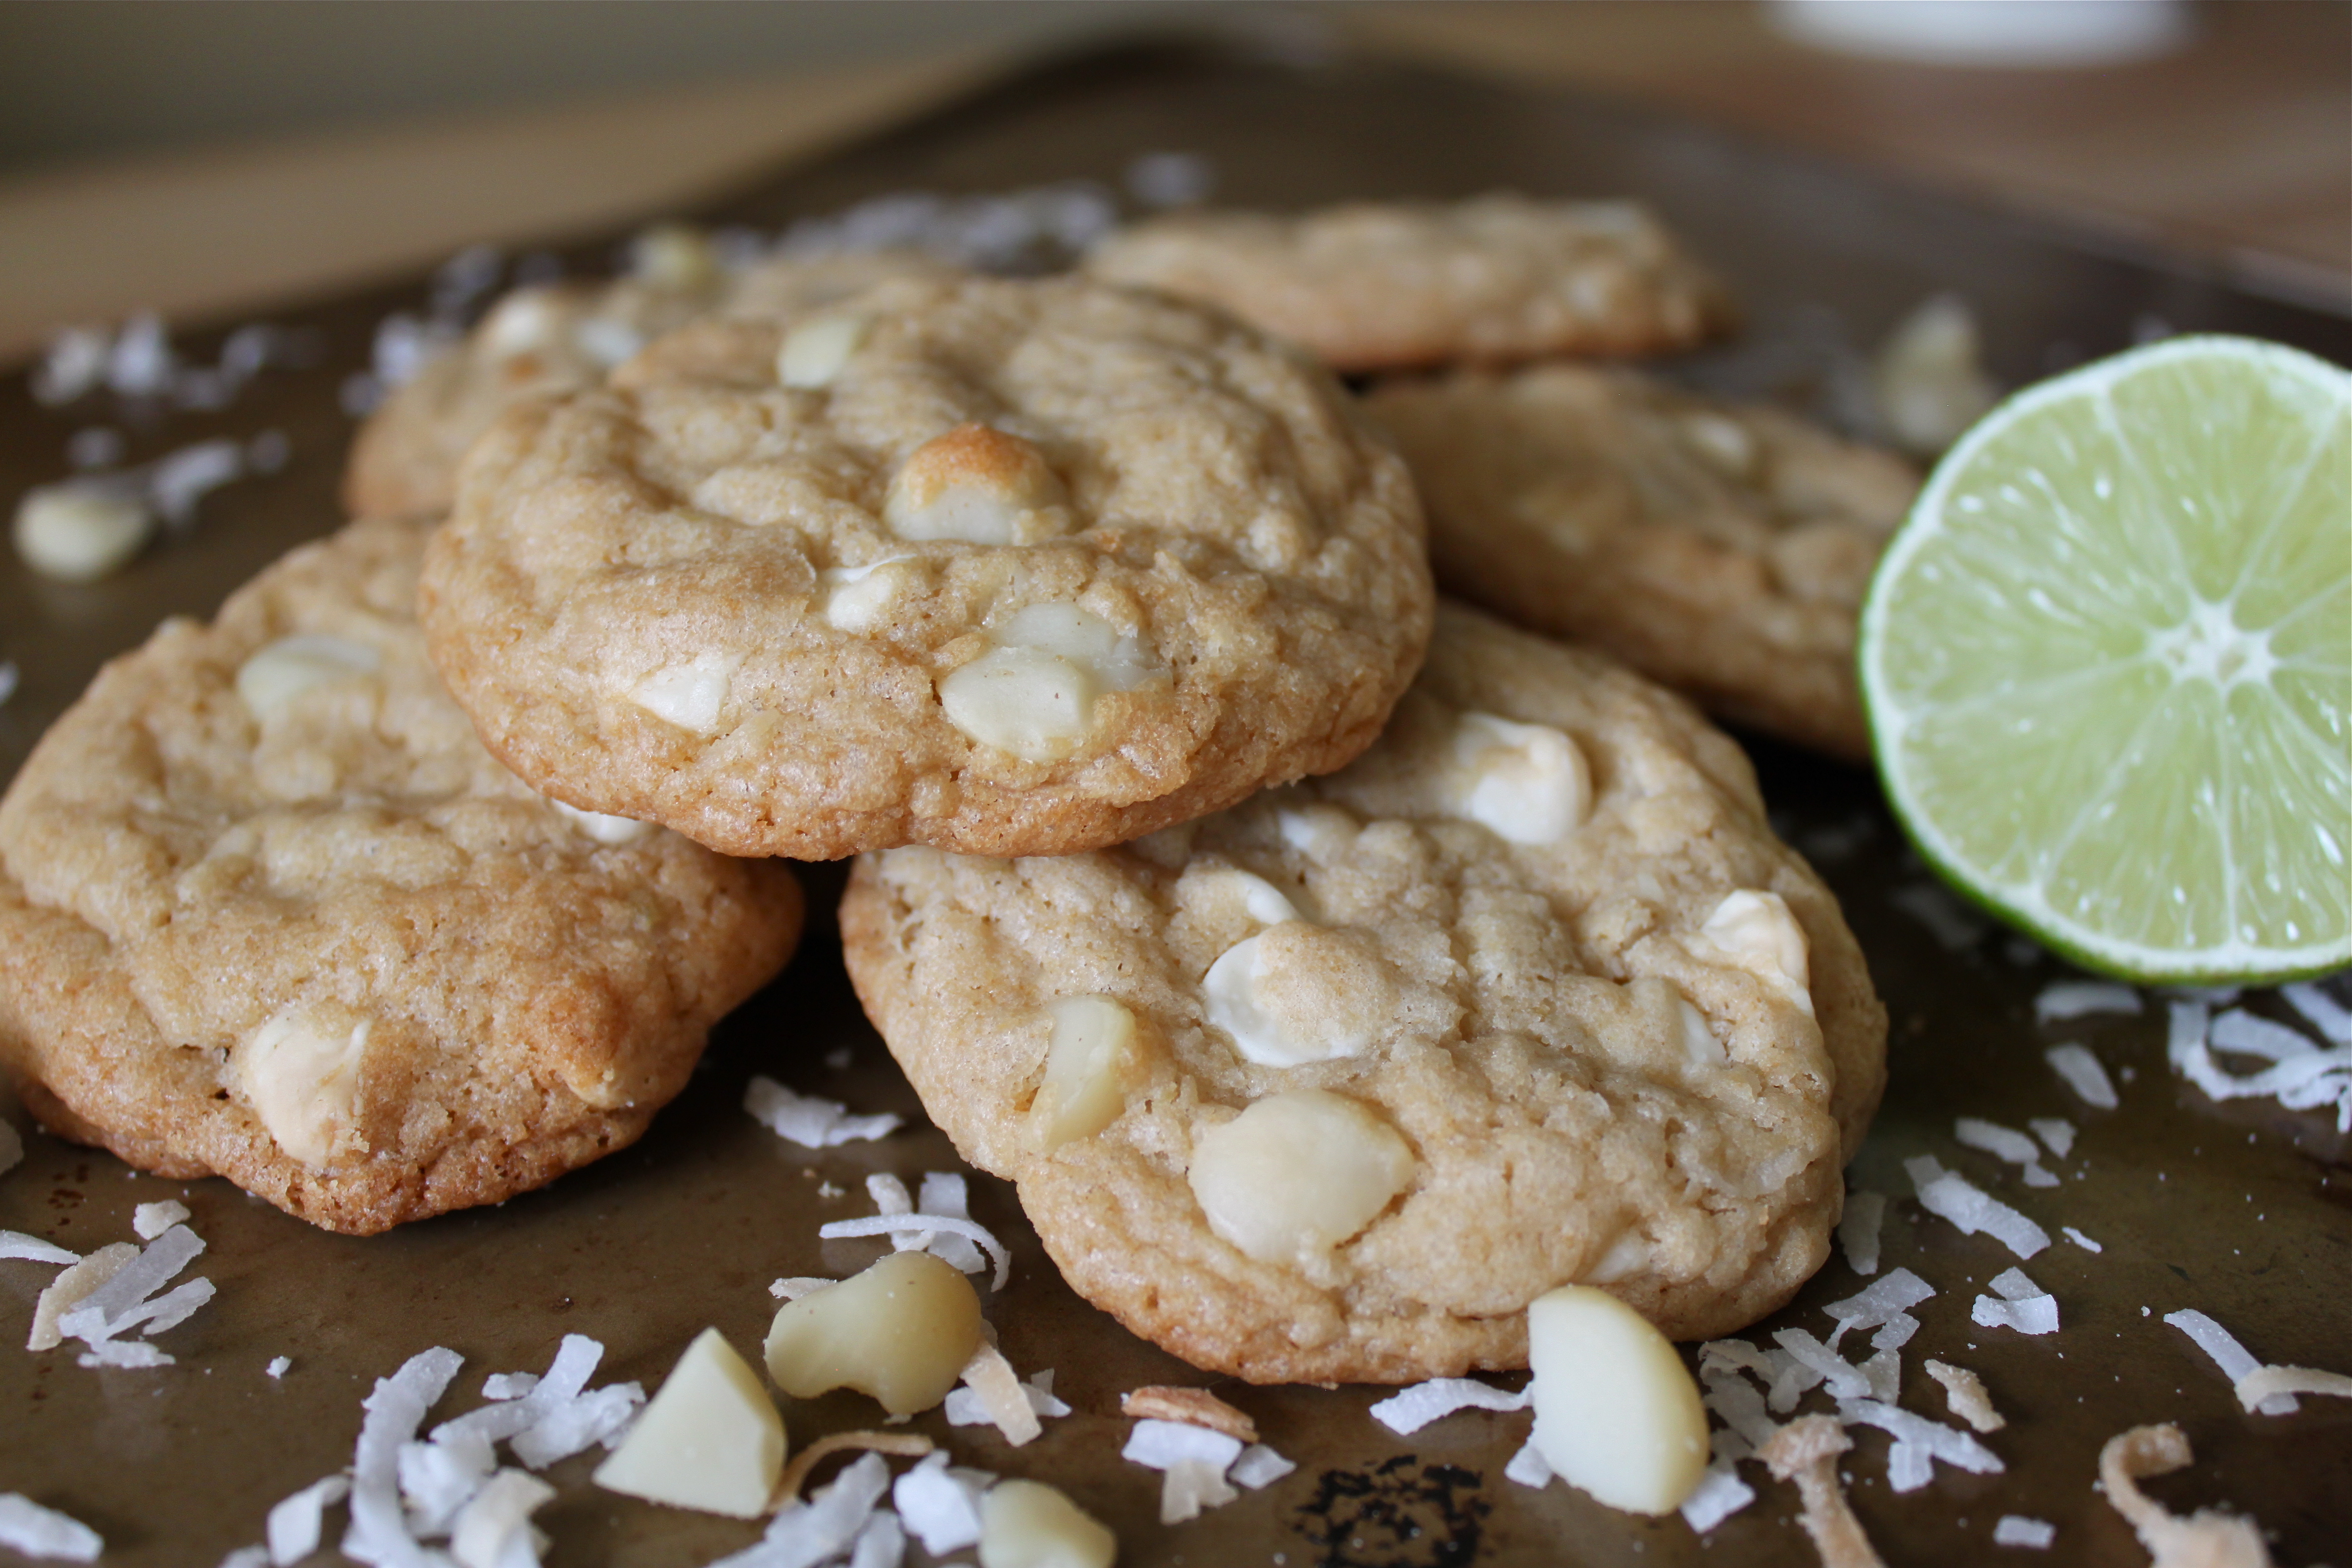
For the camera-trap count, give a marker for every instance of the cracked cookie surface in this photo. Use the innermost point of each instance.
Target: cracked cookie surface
(1722, 548)
(1331, 1085)
(269, 910)
(1006, 567)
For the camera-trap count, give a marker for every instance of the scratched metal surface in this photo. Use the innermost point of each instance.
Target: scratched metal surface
(2241, 1211)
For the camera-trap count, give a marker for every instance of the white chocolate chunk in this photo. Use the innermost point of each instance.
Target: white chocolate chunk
(602, 827)
(1616, 1412)
(275, 675)
(1525, 784)
(1722, 440)
(1209, 887)
(978, 485)
(1298, 1173)
(1033, 704)
(711, 1439)
(1073, 632)
(80, 531)
(689, 695)
(816, 352)
(1321, 833)
(1755, 931)
(526, 322)
(606, 340)
(1628, 1253)
(857, 598)
(1700, 1047)
(673, 256)
(300, 1074)
(902, 1332)
(1085, 1069)
(1028, 1524)
(1297, 993)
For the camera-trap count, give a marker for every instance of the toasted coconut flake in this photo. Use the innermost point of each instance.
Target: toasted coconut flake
(1806, 1451)
(989, 1376)
(2234, 1360)
(2206, 1538)
(1196, 1406)
(903, 1444)
(67, 1290)
(2258, 1387)
(1966, 1393)
(151, 1220)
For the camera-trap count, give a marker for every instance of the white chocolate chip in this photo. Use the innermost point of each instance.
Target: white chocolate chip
(816, 350)
(1033, 704)
(79, 531)
(673, 256)
(1086, 1068)
(1207, 887)
(275, 675)
(601, 827)
(1076, 633)
(1616, 1412)
(689, 695)
(1297, 993)
(606, 340)
(1298, 1173)
(902, 1332)
(1526, 783)
(1700, 1047)
(1321, 833)
(1755, 931)
(1628, 1253)
(857, 598)
(711, 1439)
(1722, 440)
(1028, 1524)
(978, 485)
(300, 1073)
(526, 322)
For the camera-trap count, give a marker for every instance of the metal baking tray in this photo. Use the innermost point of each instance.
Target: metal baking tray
(2242, 1210)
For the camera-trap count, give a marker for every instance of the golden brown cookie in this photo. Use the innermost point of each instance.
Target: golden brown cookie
(269, 910)
(1007, 567)
(1721, 548)
(1388, 286)
(1331, 1085)
(559, 337)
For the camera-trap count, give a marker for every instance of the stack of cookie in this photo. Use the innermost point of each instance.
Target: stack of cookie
(1334, 971)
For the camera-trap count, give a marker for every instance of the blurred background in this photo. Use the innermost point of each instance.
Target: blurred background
(202, 158)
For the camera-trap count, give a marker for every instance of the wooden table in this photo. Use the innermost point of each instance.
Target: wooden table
(2236, 147)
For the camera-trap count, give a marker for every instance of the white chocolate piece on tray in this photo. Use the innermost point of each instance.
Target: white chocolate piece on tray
(711, 1439)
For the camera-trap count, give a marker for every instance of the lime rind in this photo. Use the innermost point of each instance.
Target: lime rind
(2124, 486)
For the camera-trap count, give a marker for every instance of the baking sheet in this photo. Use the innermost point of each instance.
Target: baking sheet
(2244, 1211)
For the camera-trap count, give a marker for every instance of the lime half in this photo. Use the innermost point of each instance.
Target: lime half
(2108, 663)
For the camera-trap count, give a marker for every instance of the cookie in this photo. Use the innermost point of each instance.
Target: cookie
(1385, 286)
(557, 337)
(269, 910)
(1721, 548)
(1002, 566)
(1330, 1086)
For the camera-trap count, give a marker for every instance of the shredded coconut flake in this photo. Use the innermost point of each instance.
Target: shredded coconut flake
(1972, 1209)
(178, 480)
(998, 1397)
(1410, 1409)
(16, 1244)
(1191, 1486)
(2321, 1011)
(798, 1285)
(279, 1366)
(1159, 1444)
(827, 1525)
(1881, 1302)
(1949, 1445)
(812, 1122)
(37, 1532)
(2074, 998)
(1844, 1379)
(2016, 1529)
(2228, 1354)
(1720, 1494)
(2030, 1315)
(378, 1532)
(296, 1521)
(2079, 1239)
(897, 1225)
(1259, 1466)
(1908, 1467)
(939, 1505)
(2056, 1132)
(1529, 1468)
(1806, 1451)
(149, 1221)
(2084, 1075)
(493, 1531)
(1857, 1230)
